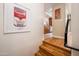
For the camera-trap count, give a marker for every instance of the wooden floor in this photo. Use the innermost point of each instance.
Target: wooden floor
(53, 47)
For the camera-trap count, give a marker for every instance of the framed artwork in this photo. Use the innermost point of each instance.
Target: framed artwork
(16, 18)
(58, 13)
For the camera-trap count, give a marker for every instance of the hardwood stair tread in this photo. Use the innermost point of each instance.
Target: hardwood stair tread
(40, 53)
(51, 51)
(57, 49)
(45, 52)
(56, 43)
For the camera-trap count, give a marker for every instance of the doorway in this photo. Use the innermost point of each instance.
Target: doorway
(48, 28)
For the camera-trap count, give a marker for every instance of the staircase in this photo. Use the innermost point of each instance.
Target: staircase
(53, 47)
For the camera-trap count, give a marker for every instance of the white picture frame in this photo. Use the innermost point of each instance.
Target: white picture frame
(16, 18)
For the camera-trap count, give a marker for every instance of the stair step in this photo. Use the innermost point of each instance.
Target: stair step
(43, 54)
(40, 53)
(57, 49)
(51, 51)
(55, 42)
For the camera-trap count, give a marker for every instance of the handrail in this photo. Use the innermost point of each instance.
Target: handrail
(66, 33)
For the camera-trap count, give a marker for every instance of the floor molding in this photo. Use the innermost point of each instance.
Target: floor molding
(58, 37)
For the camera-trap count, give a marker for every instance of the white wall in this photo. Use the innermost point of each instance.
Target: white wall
(59, 24)
(47, 7)
(23, 43)
(75, 27)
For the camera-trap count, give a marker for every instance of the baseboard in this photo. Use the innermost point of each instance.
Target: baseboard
(58, 37)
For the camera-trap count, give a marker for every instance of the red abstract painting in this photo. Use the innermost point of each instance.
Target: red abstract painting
(19, 16)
